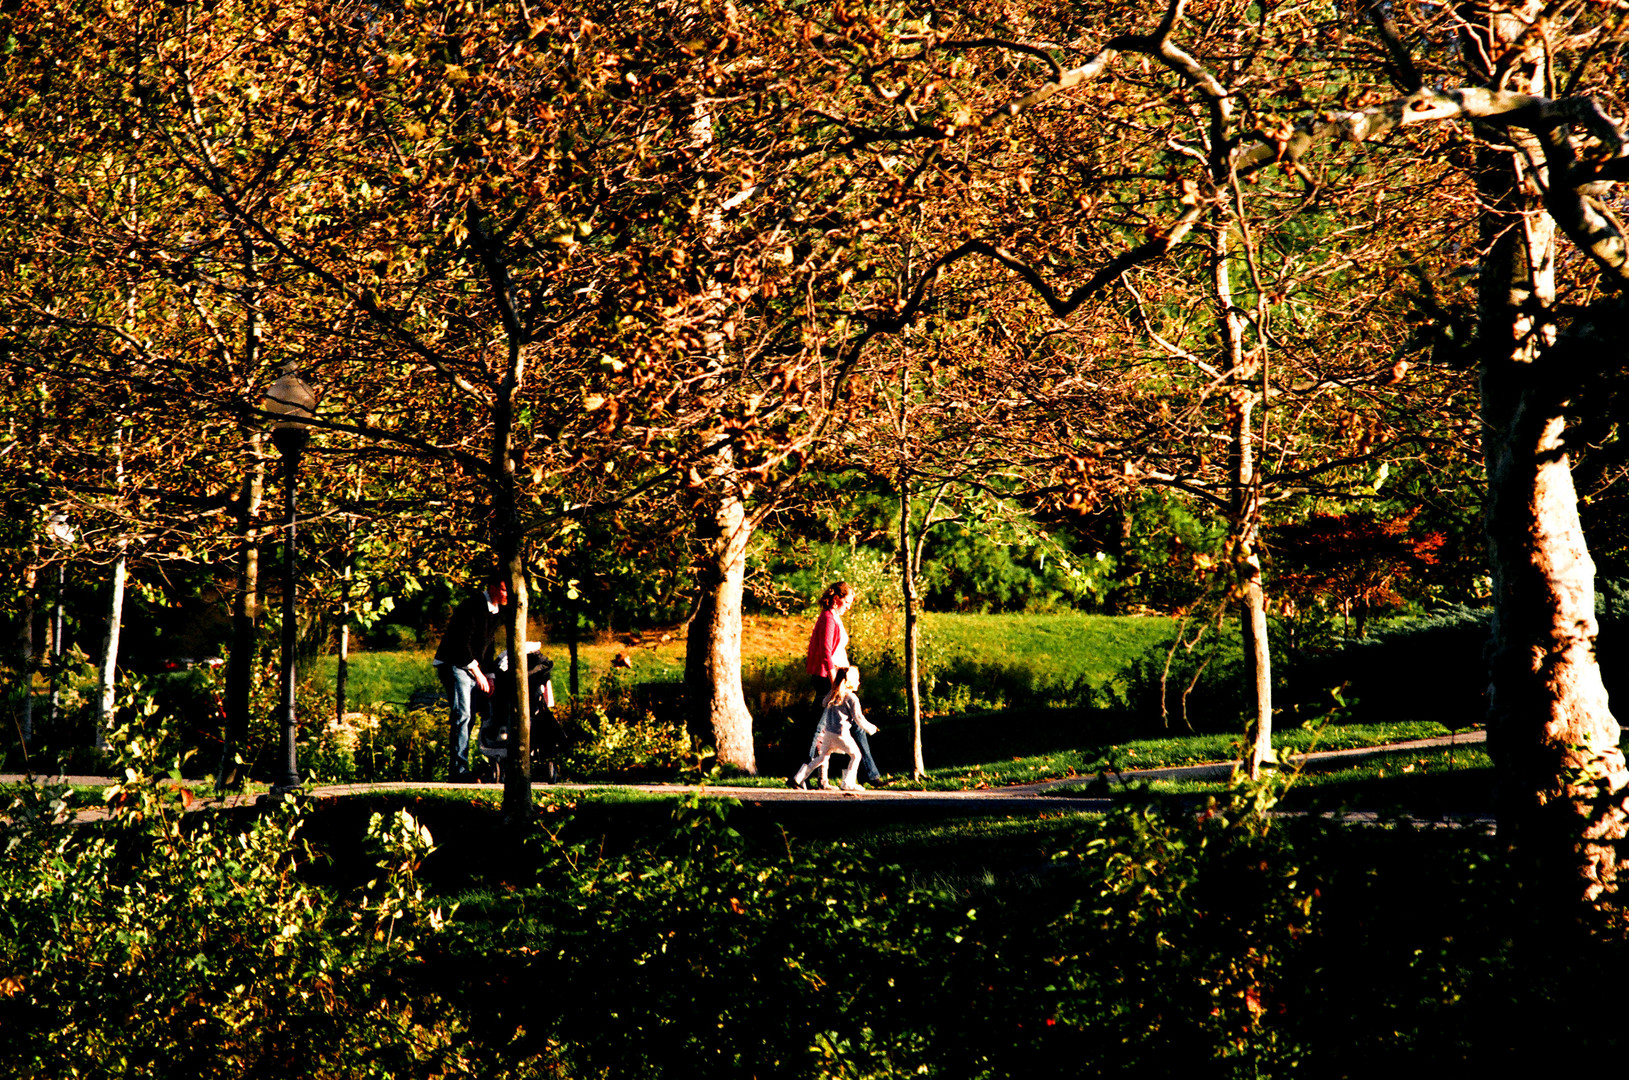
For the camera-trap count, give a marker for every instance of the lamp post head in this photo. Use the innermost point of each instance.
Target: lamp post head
(292, 404)
(61, 531)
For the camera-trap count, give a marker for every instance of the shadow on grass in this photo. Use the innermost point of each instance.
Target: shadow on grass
(1408, 784)
(954, 742)
(1425, 792)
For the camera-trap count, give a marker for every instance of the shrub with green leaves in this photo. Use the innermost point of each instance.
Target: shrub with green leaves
(723, 948)
(1195, 685)
(144, 941)
(614, 735)
(394, 743)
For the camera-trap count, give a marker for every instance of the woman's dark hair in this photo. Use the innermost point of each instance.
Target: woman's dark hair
(835, 594)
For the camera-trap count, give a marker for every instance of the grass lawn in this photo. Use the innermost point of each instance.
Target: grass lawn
(1417, 783)
(377, 678)
(1056, 648)
(1047, 649)
(1023, 742)
(1060, 744)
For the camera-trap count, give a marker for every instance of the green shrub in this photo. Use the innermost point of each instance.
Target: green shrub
(395, 743)
(1187, 688)
(155, 943)
(1430, 667)
(613, 734)
(721, 948)
(393, 636)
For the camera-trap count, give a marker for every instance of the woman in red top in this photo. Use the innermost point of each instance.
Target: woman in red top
(828, 651)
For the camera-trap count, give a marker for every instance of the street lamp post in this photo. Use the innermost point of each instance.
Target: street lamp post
(64, 536)
(291, 402)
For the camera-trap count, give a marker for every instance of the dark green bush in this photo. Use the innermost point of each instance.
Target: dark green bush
(1181, 688)
(393, 636)
(1146, 942)
(152, 943)
(723, 949)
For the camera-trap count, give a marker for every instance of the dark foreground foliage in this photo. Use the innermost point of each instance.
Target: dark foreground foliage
(644, 940)
(156, 943)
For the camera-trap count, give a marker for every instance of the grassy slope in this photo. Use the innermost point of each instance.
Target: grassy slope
(1421, 783)
(1059, 648)
(1056, 649)
(963, 750)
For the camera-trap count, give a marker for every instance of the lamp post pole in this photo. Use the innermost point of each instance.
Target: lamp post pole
(291, 401)
(64, 535)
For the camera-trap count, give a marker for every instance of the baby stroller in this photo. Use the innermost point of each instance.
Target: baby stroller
(548, 737)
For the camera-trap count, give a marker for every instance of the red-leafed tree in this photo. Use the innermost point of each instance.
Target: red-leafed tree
(1355, 558)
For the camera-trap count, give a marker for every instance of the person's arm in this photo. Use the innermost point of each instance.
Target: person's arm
(859, 718)
(475, 642)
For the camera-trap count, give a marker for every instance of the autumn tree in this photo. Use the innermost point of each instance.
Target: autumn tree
(1107, 201)
(1543, 162)
(1354, 557)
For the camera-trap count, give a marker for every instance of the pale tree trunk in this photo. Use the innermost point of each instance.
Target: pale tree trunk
(907, 576)
(59, 631)
(1562, 778)
(712, 663)
(110, 651)
(115, 615)
(1244, 510)
(907, 589)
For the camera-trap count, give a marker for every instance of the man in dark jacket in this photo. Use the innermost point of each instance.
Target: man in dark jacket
(465, 648)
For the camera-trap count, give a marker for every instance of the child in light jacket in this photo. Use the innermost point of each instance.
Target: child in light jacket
(842, 714)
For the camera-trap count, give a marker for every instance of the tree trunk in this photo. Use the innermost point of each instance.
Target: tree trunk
(110, 651)
(58, 633)
(115, 614)
(1244, 510)
(342, 666)
(712, 663)
(517, 779)
(1258, 667)
(243, 658)
(509, 533)
(1562, 778)
(574, 680)
(510, 543)
(240, 669)
(1120, 549)
(907, 589)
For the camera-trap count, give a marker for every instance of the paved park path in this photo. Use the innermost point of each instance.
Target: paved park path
(1042, 796)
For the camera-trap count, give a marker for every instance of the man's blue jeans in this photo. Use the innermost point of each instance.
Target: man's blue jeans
(460, 687)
